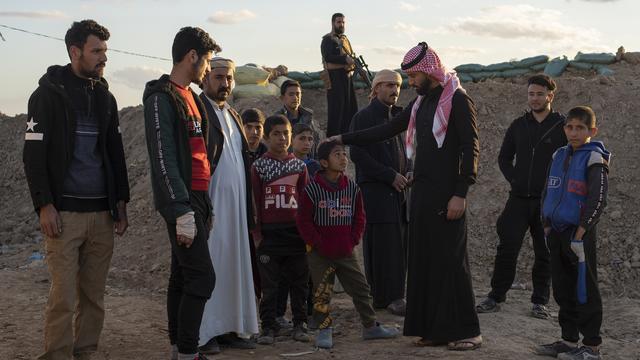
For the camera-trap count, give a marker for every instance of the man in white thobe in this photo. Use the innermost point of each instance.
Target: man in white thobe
(230, 315)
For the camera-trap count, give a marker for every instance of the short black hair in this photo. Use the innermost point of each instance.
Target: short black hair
(274, 120)
(253, 115)
(299, 128)
(325, 149)
(285, 85)
(80, 30)
(192, 38)
(583, 113)
(335, 16)
(543, 80)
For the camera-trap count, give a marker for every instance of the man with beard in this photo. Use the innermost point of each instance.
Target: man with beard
(442, 142)
(532, 139)
(230, 316)
(341, 97)
(381, 171)
(75, 168)
(176, 129)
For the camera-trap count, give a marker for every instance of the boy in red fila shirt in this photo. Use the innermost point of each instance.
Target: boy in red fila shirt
(331, 220)
(278, 177)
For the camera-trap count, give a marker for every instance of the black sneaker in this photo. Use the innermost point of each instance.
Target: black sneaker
(581, 353)
(487, 305)
(233, 341)
(540, 311)
(553, 349)
(210, 348)
(267, 337)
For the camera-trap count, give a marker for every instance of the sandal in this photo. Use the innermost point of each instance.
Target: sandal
(463, 345)
(427, 343)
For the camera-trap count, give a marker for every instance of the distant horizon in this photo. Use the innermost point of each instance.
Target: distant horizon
(289, 33)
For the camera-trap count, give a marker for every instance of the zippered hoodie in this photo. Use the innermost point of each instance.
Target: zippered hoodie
(331, 217)
(576, 189)
(531, 144)
(50, 141)
(166, 129)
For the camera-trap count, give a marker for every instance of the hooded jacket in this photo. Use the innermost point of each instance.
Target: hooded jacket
(165, 120)
(50, 140)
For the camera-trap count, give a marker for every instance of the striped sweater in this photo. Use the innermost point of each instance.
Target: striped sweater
(331, 217)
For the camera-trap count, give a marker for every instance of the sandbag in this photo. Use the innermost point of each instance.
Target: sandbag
(249, 75)
(299, 76)
(556, 66)
(313, 75)
(602, 58)
(254, 90)
(469, 68)
(465, 77)
(603, 70)
(482, 75)
(580, 65)
(280, 80)
(632, 57)
(360, 85)
(513, 73)
(499, 67)
(531, 61)
(538, 67)
(313, 84)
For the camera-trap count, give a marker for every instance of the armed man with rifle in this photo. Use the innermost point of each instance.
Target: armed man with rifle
(339, 63)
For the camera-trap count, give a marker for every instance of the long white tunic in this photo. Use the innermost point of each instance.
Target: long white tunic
(232, 307)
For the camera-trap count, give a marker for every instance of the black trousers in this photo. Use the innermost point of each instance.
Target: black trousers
(520, 214)
(284, 288)
(575, 318)
(293, 270)
(191, 281)
(341, 103)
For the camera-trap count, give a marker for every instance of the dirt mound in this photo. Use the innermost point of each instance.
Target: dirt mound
(141, 257)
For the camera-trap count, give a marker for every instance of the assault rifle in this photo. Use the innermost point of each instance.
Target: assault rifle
(361, 68)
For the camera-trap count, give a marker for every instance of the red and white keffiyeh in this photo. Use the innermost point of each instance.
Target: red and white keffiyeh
(430, 64)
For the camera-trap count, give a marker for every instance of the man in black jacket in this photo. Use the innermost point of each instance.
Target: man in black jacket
(176, 130)
(381, 171)
(75, 167)
(338, 65)
(531, 139)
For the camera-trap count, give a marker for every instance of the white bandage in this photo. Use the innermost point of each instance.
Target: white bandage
(577, 246)
(186, 225)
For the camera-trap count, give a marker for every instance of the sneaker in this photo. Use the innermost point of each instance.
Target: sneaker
(581, 353)
(324, 339)
(284, 323)
(398, 307)
(267, 337)
(554, 349)
(210, 348)
(487, 305)
(233, 341)
(378, 331)
(540, 311)
(300, 333)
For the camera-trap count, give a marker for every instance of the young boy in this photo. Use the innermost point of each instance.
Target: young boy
(278, 177)
(573, 200)
(302, 145)
(331, 220)
(291, 97)
(253, 124)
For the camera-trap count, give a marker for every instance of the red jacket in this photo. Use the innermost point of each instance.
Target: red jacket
(276, 187)
(331, 219)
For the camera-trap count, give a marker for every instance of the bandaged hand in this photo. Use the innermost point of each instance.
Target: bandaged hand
(186, 229)
(577, 246)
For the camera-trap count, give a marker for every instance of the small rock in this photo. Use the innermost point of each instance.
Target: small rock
(617, 214)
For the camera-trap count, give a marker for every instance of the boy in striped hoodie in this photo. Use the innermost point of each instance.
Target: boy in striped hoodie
(331, 221)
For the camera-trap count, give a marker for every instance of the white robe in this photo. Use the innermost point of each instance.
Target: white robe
(232, 307)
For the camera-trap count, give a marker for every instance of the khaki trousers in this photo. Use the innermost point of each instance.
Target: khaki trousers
(78, 262)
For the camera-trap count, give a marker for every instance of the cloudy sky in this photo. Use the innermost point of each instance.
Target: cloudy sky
(289, 32)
